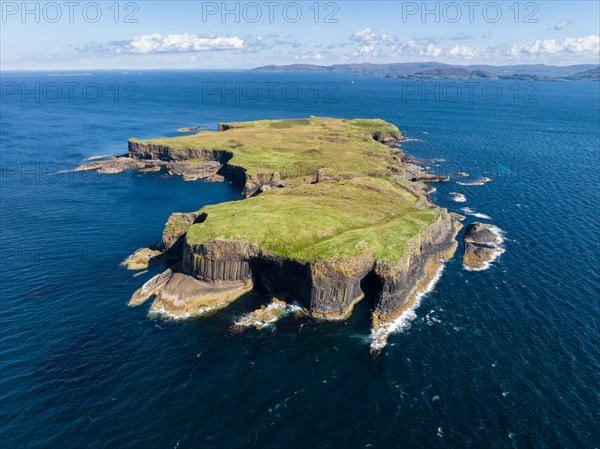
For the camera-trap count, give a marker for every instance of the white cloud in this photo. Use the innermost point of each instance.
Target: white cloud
(463, 52)
(431, 50)
(589, 45)
(372, 44)
(171, 43)
(368, 45)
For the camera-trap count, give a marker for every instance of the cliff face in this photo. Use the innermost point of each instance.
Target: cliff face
(328, 289)
(150, 151)
(401, 281)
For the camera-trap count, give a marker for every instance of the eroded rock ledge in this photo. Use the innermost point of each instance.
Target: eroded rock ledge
(334, 210)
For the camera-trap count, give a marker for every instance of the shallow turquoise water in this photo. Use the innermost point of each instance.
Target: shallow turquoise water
(507, 357)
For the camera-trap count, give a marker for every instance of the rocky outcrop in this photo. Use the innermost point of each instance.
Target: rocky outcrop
(120, 164)
(209, 277)
(191, 171)
(482, 233)
(401, 281)
(224, 126)
(189, 163)
(259, 182)
(143, 258)
(458, 197)
(176, 227)
(482, 245)
(264, 316)
(477, 258)
(143, 151)
(184, 296)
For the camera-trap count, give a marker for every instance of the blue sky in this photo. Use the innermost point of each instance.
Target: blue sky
(153, 34)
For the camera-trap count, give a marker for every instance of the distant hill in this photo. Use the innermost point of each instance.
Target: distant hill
(437, 70)
(449, 73)
(586, 75)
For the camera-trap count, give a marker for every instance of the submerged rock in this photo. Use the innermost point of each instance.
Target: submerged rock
(458, 197)
(264, 316)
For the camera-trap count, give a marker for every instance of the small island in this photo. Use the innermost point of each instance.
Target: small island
(333, 210)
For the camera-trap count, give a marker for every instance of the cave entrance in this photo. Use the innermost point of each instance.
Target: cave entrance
(371, 285)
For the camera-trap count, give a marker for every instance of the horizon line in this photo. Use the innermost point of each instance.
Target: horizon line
(282, 65)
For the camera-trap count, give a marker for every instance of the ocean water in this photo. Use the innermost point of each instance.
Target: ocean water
(506, 357)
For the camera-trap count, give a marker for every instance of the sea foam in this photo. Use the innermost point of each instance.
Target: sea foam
(380, 336)
(469, 211)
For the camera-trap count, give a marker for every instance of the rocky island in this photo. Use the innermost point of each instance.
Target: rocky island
(482, 245)
(333, 209)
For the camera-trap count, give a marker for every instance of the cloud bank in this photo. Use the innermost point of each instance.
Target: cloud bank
(171, 43)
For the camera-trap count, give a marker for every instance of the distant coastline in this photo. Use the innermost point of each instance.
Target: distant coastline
(440, 71)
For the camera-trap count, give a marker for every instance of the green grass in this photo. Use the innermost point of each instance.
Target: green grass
(296, 148)
(365, 212)
(329, 220)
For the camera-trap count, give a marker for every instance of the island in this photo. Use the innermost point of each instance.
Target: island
(333, 210)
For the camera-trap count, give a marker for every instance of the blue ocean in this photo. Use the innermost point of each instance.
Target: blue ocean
(508, 357)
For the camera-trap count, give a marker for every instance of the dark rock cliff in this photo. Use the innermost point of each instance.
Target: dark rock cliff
(328, 289)
(142, 151)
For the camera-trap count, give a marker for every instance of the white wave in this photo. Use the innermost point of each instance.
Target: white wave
(458, 197)
(472, 183)
(297, 309)
(249, 320)
(164, 313)
(481, 181)
(469, 211)
(403, 322)
(499, 233)
(479, 215)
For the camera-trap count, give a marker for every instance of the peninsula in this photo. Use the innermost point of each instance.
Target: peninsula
(333, 210)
